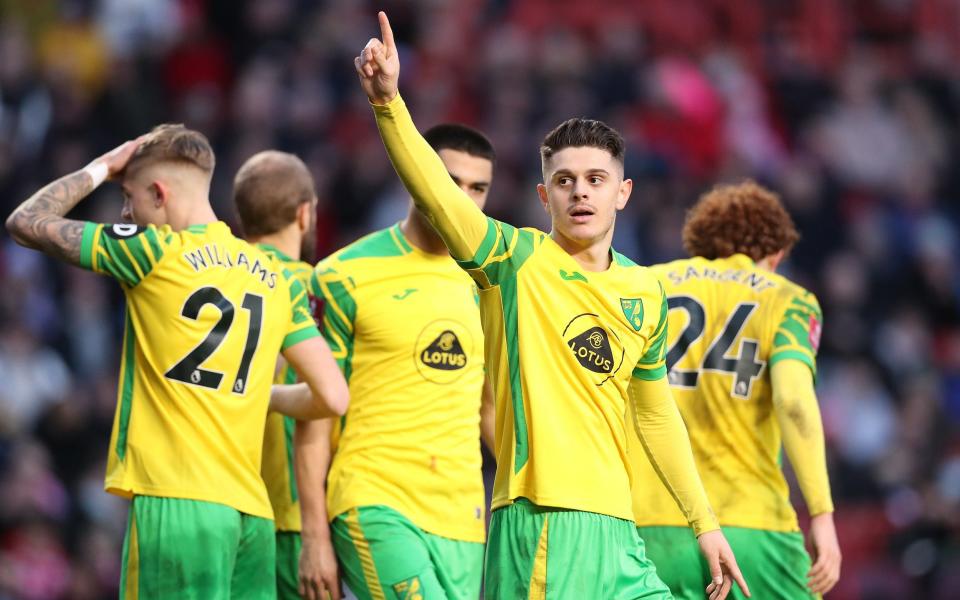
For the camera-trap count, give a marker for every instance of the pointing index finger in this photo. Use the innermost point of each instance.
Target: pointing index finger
(386, 32)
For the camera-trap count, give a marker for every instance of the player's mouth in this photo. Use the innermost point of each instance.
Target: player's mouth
(581, 213)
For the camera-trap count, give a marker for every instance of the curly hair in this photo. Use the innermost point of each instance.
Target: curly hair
(745, 218)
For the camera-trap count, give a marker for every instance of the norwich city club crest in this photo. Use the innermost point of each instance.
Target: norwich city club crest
(633, 311)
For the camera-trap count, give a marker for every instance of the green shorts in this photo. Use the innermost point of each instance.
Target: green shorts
(288, 565)
(554, 554)
(774, 563)
(176, 548)
(383, 556)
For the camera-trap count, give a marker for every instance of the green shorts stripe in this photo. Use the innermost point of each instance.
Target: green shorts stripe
(177, 548)
(774, 563)
(383, 555)
(558, 554)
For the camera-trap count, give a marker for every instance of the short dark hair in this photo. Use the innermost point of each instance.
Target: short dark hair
(745, 218)
(579, 132)
(454, 136)
(173, 143)
(268, 189)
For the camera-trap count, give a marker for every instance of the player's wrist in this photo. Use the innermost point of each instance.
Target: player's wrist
(97, 171)
(384, 99)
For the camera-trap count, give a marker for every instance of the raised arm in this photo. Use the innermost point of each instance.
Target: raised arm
(39, 222)
(795, 404)
(462, 225)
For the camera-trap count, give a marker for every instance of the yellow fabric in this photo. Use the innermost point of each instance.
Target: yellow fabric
(363, 552)
(562, 344)
(132, 588)
(795, 402)
(180, 438)
(658, 424)
(405, 328)
(277, 467)
(723, 389)
(538, 579)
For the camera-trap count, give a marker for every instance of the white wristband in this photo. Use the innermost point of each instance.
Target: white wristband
(98, 172)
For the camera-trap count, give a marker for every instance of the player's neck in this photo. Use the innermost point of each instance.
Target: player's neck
(592, 257)
(288, 240)
(201, 213)
(421, 234)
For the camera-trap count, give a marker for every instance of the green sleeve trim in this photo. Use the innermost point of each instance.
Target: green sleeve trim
(650, 374)
(483, 251)
(656, 351)
(793, 355)
(302, 335)
(86, 245)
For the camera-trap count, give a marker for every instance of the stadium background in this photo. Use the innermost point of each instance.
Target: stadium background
(850, 109)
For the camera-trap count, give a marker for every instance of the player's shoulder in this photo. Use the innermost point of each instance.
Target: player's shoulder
(634, 279)
(792, 293)
(381, 244)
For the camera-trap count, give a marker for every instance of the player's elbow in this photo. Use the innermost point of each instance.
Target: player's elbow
(332, 400)
(17, 228)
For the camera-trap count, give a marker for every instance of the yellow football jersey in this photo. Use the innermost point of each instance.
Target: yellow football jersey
(277, 468)
(207, 315)
(562, 347)
(729, 322)
(405, 328)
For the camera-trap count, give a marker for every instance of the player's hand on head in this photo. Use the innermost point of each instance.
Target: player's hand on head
(723, 565)
(318, 574)
(116, 160)
(378, 65)
(825, 571)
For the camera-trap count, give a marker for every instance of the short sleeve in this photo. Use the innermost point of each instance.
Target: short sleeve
(500, 255)
(798, 334)
(301, 326)
(339, 309)
(126, 252)
(653, 364)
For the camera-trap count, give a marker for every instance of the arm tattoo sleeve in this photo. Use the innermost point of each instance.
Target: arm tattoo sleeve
(39, 222)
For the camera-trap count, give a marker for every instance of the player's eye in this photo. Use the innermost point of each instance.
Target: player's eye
(596, 179)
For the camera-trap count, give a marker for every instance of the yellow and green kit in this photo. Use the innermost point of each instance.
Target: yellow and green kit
(730, 322)
(566, 349)
(405, 492)
(207, 315)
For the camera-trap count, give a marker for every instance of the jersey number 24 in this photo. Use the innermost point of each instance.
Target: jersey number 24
(745, 366)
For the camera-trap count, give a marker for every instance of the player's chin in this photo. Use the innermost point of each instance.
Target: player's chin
(583, 231)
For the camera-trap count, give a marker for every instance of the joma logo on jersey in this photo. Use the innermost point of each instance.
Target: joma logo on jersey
(445, 353)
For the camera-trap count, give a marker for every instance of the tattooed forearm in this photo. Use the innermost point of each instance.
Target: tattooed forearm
(38, 223)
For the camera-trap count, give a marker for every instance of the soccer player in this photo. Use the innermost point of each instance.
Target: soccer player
(275, 197)
(207, 315)
(742, 359)
(405, 490)
(572, 330)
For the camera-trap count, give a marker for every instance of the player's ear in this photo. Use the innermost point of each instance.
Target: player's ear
(623, 194)
(160, 193)
(303, 215)
(542, 193)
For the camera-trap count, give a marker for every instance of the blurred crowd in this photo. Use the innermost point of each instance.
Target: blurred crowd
(850, 109)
